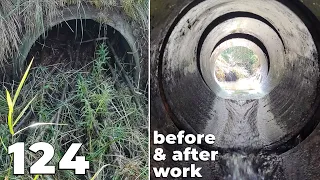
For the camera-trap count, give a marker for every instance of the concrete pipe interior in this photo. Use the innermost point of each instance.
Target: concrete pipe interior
(283, 95)
(268, 131)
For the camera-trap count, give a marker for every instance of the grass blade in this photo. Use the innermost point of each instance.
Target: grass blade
(10, 113)
(97, 173)
(38, 124)
(22, 82)
(23, 111)
(36, 177)
(4, 146)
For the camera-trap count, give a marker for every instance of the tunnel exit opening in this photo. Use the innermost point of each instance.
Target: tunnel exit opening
(238, 69)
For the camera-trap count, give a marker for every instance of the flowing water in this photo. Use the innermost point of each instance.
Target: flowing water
(241, 166)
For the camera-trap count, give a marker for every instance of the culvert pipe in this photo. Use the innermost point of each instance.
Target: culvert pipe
(108, 17)
(279, 117)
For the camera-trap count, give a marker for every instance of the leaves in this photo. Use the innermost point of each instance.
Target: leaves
(36, 177)
(22, 82)
(11, 103)
(10, 112)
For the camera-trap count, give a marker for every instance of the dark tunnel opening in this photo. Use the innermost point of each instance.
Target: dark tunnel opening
(75, 42)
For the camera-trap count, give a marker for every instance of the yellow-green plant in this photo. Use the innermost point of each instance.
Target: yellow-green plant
(36, 177)
(11, 102)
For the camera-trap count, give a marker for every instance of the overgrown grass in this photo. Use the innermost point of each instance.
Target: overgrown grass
(110, 122)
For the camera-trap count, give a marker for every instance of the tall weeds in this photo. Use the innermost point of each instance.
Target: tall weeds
(109, 123)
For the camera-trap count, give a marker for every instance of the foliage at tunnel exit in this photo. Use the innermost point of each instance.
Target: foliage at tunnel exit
(238, 61)
(241, 56)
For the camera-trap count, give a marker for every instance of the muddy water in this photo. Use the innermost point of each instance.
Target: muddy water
(243, 166)
(240, 167)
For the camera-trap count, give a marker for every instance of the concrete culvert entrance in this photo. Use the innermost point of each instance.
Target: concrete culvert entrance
(107, 19)
(74, 43)
(204, 92)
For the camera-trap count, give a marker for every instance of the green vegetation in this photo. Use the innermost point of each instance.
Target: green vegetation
(241, 56)
(103, 114)
(239, 60)
(11, 102)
